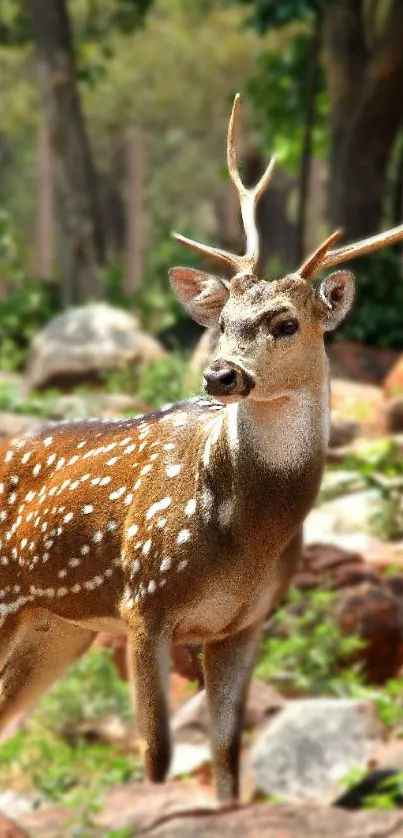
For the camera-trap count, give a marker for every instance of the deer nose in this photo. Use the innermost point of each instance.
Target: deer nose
(227, 379)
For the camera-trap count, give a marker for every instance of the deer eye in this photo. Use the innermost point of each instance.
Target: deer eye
(285, 328)
(221, 325)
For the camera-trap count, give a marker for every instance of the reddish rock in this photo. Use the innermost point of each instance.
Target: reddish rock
(369, 603)
(178, 810)
(9, 829)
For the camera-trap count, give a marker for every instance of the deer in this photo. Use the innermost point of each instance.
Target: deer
(184, 525)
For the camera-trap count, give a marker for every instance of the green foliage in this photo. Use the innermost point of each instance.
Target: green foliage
(308, 650)
(389, 795)
(389, 705)
(379, 465)
(270, 13)
(92, 688)
(278, 91)
(28, 302)
(166, 380)
(376, 316)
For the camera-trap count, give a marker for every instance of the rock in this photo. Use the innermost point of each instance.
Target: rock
(342, 431)
(9, 829)
(191, 723)
(311, 745)
(358, 362)
(85, 341)
(13, 805)
(188, 758)
(15, 424)
(360, 403)
(285, 822)
(179, 809)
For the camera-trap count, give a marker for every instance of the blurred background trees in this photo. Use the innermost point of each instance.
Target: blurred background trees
(130, 101)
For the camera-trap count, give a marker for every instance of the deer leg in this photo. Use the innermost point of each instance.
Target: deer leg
(228, 666)
(148, 659)
(36, 650)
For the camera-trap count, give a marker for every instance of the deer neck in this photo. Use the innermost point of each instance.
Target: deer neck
(285, 432)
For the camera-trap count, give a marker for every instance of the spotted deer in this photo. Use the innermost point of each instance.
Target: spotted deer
(181, 526)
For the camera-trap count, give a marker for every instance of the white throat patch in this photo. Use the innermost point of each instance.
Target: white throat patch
(291, 432)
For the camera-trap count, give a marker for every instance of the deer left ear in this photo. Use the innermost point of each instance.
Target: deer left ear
(201, 294)
(334, 298)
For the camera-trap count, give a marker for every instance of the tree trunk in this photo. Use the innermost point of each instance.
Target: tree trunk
(367, 113)
(76, 181)
(306, 153)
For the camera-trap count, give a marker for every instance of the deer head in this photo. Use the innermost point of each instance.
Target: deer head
(271, 331)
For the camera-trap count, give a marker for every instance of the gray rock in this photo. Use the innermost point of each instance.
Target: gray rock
(88, 339)
(189, 758)
(191, 724)
(311, 745)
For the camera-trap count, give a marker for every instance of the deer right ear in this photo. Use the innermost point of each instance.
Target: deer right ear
(201, 294)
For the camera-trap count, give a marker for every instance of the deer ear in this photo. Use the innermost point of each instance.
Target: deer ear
(334, 298)
(201, 294)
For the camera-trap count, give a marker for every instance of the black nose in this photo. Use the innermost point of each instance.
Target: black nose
(220, 381)
(224, 379)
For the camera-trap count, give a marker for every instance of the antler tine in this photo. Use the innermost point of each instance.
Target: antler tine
(314, 262)
(228, 259)
(361, 248)
(248, 198)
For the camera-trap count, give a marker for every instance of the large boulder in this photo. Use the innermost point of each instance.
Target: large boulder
(311, 745)
(83, 342)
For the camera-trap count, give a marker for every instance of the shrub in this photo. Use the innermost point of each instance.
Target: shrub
(308, 653)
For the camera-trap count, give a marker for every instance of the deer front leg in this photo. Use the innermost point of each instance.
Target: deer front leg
(228, 667)
(148, 659)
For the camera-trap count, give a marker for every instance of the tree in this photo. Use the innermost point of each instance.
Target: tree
(363, 58)
(58, 51)
(76, 180)
(364, 61)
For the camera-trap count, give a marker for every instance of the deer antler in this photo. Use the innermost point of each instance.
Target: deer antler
(248, 199)
(324, 258)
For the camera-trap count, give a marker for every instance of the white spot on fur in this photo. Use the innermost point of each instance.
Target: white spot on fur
(165, 564)
(132, 531)
(183, 536)
(190, 507)
(172, 471)
(159, 506)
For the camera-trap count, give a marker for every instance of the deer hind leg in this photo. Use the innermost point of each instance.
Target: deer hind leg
(148, 659)
(228, 666)
(35, 650)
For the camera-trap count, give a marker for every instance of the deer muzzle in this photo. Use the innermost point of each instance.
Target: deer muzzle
(224, 378)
